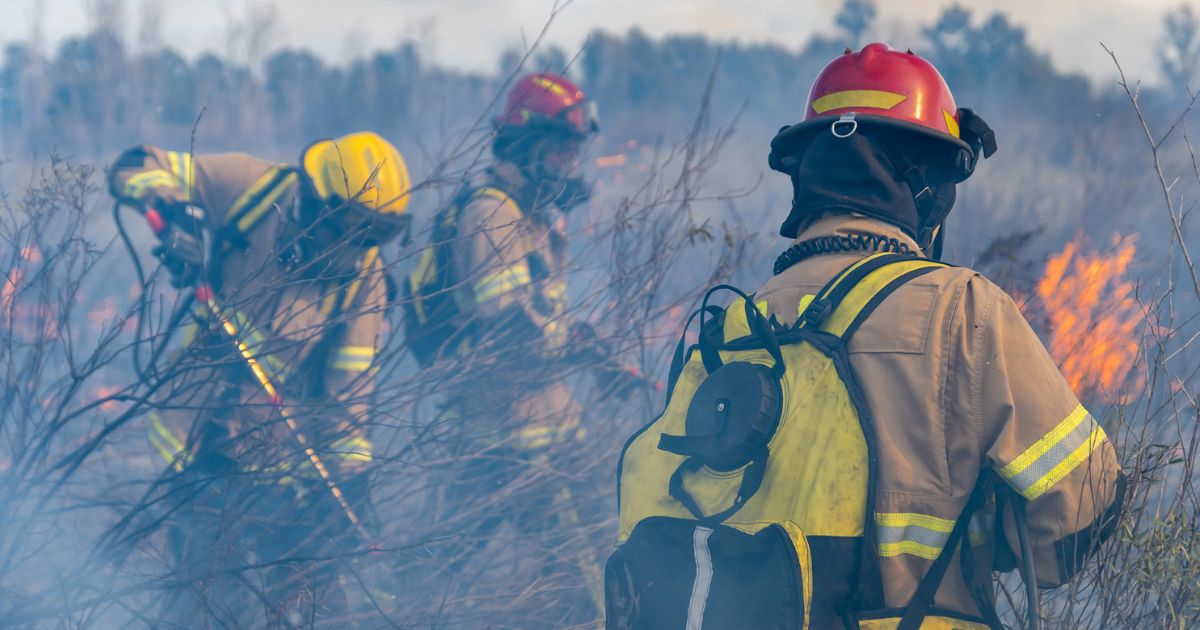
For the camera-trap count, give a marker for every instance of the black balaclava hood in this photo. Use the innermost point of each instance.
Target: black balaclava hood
(855, 175)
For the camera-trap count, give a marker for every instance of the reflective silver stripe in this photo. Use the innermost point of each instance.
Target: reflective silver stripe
(1054, 456)
(704, 574)
(912, 533)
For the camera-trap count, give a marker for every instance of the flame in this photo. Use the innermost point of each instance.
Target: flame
(611, 161)
(1092, 315)
(105, 391)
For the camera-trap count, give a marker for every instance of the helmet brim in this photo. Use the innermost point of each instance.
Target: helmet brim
(793, 141)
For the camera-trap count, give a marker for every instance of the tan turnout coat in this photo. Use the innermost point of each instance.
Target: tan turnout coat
(315, 334)
(514, 260)
(958, 383)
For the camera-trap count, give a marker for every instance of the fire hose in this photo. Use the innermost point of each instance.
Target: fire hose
(205, 295)
(1028, 570)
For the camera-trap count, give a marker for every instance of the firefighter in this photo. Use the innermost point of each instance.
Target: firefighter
(864, 440)
(263, 419)
(486, 309)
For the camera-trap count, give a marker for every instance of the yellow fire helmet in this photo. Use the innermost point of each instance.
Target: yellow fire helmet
(360, 167)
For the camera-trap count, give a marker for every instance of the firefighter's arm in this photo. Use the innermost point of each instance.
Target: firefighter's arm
(351, 371)
(184, 188)
(1042, 442)
(493, 256)
(183, 196)
(147, 177)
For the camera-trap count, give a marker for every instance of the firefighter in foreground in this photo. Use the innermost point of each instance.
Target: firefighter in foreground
(486, 312)
(263, 418)
(864, 440)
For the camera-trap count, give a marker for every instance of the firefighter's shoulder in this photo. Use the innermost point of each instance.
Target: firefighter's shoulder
(489, 207)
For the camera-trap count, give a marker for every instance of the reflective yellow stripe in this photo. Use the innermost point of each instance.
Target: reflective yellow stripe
(424, 275)
(805, 300)
(932, 622)
(1055, 455)
(357, 449)
(352, 366)
(368, 261)
(351, 449)
(1047, 442)
(253, 191)
(502, 282)
(260, 196)
(136, 185)
(536, 437)
(951, 124)
(251, 216)
(354, 358)
(873, 99)
(909, 547)
(182, 167)
(552, 85)
(328, 302)
(1064, 468)
(493, 193)
(911, 519)
(554, 291)
(167, 444)
(541, 436)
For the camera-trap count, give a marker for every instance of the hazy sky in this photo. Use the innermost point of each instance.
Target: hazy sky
(468, 33)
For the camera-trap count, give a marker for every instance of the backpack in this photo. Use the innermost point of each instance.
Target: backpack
(722, 524)
(436, 301)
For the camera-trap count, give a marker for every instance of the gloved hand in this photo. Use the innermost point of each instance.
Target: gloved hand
(182, 253)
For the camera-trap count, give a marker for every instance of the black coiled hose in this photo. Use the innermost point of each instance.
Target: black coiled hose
(857, 242)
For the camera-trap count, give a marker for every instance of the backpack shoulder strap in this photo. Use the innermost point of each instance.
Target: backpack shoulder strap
(851, 296)
(922, 599)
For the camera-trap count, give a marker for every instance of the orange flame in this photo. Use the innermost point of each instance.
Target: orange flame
(611, 161)
(1092, 315)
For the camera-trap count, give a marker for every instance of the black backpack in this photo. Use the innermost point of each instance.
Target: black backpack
(437, 301)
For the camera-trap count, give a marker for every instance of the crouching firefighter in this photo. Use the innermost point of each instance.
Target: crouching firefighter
(847, 447)
(263, 417)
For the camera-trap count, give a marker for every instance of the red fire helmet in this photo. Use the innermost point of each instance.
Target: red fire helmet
(547, 102)
(876, 86)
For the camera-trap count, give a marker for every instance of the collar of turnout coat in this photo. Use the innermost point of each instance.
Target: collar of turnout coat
(849, 224)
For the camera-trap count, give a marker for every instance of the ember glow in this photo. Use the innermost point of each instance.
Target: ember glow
(1092, 315)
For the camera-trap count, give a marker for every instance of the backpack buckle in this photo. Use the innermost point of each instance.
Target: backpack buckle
(817, 311)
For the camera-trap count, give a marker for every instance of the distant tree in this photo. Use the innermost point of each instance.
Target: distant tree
(551, 59)
(85, 100)
(855, 18)
(18, 58)
(997, 42)
(950, 35)
(167, 88)
(293, 79)
(1179, 59)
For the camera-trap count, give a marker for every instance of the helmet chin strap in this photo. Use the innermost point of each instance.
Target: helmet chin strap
(934, 249)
